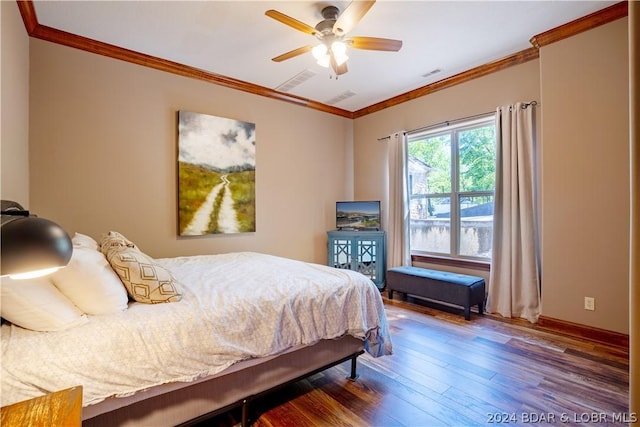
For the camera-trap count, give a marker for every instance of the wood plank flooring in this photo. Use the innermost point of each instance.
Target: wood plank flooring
(446, 371)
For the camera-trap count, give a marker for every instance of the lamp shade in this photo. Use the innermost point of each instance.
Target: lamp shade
(31, 244)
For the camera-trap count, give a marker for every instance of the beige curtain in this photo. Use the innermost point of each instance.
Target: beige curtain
(398, 204)
(514, 282)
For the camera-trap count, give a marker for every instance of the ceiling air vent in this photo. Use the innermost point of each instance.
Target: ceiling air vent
(432, 72)
(294, 81)
(341, 97)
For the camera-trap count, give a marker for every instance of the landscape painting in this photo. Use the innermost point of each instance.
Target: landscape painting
(216, 175)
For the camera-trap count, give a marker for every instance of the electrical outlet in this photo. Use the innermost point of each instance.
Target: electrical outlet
(589, 303)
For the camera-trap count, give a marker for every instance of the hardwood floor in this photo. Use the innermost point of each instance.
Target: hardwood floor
(446, 371)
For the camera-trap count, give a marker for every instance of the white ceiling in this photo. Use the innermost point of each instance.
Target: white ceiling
(236, 39)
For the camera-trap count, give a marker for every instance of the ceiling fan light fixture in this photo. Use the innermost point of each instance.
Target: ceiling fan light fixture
(339, 50)
(321, 54)
(320, 51)
(331, 33)
(324, 61)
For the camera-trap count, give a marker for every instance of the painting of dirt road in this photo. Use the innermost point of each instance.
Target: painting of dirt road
(216, 175)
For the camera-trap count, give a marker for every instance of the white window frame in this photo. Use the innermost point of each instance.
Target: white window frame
(455, 195)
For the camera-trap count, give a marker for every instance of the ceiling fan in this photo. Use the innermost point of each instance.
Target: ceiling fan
(331, 33)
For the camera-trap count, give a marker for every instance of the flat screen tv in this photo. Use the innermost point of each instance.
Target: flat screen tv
(358, 215)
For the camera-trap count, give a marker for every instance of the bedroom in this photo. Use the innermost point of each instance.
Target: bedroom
(114, 108)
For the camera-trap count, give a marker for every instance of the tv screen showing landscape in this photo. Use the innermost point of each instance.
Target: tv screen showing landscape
(358, 215)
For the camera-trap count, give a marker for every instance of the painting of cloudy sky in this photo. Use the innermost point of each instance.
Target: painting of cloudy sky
(216, 142)
(216, 167)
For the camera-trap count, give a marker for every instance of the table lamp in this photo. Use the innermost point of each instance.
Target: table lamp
(30, 246)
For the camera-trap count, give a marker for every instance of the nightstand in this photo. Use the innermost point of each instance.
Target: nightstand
(60, 408)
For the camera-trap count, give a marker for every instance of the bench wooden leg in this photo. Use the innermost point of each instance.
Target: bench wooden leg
(467, 313)
(480, 308)
(390, 294)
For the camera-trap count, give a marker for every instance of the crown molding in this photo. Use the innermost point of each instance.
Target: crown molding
(43, 32)
(601, 17)
(28, 13)
(34, 29)
(515, 59)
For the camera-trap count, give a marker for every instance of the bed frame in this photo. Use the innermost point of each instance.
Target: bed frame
(185, 404)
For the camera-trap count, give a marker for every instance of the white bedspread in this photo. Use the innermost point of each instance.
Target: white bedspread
(234, 307)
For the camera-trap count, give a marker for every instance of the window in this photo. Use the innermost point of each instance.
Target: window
(451, 178)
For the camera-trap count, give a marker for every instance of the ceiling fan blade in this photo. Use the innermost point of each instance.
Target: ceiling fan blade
(351, 16)
(293, 23)
(374, 43)
(292, 53)
(341, 69)
(338, 69)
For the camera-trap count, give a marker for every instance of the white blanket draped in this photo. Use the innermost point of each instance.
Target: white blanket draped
(235, 306)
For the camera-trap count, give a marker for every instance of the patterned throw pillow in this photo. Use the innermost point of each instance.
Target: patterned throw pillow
(113, 239)
(146, 281)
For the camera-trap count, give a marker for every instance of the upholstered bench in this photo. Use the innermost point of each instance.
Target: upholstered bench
(452, 288)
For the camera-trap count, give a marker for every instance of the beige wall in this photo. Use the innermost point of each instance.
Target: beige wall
(518, 83)
(103, 156)
(585, 177)
(103, 152)
(14, 109)
(581, 84)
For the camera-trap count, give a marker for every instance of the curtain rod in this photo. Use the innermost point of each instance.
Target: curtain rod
(449, 122)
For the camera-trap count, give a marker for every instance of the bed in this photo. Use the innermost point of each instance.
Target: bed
(243, 324)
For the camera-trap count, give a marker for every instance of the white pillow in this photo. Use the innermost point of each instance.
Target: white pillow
(38, 305)
(84, 241)
(90, 283)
